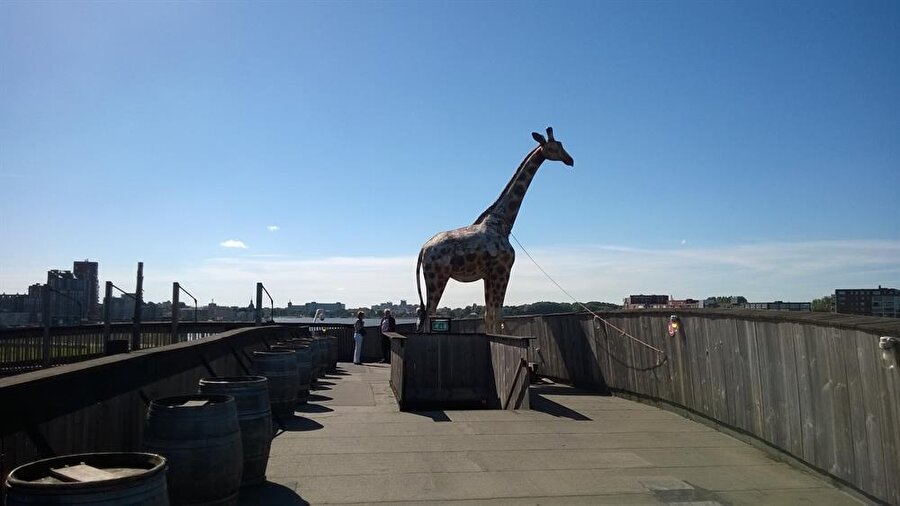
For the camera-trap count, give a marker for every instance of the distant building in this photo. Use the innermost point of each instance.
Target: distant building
(33, 300)
(709, 302)
(310, 308)
(88, 273)
(646, 301)
(18, 310)
(74, 298)
(68, 305)
(403, 309)
(685, 304)
(779, 306)
(292, 310)
(122, 309)
(868, 301)
(215, 312)
(12, 302)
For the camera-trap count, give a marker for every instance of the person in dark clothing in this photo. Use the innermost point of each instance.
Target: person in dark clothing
(388, 324)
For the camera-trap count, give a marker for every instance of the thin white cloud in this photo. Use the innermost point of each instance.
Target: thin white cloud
(761, 272)
(233, 243)
(273, 228)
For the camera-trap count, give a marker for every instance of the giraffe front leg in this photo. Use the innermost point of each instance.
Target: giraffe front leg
(490, 314)
(494, 295)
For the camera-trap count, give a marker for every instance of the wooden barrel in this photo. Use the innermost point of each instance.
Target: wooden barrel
(251, 393)
(309, 342)
(200, 437)
(326, 353)
(304, 366)
(332, 347)
(280, 368)
(101, 479)
(320, 355)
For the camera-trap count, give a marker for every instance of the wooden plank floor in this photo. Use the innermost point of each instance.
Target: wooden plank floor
(352, 445)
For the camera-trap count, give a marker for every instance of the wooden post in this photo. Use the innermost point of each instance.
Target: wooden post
(259, 289)
(107, 321)
(175, 307)
(138, 302)
(45, 315)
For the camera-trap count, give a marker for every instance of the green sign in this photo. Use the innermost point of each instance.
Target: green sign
(440, 325)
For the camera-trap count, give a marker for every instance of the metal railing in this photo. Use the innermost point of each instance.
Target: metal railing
(259, 311)
(176, 308)
(28, 348)
(23, 349)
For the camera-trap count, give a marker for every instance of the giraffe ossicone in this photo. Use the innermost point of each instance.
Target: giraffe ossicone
(482, 249)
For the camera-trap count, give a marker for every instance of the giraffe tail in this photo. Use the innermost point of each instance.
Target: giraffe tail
(419, 279)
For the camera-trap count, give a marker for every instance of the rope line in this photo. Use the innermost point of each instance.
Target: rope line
(595, 315)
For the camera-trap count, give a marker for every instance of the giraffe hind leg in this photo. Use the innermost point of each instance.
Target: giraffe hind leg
(434, 286)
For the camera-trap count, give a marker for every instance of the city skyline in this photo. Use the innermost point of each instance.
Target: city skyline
(70, 297)
(719, 148)
(291, 302)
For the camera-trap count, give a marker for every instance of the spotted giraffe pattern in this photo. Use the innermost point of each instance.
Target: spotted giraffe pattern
(482, 249)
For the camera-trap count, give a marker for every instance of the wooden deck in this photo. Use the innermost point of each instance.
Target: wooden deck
(352, 445)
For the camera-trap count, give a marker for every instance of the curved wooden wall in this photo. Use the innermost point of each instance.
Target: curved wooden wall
(812, 385)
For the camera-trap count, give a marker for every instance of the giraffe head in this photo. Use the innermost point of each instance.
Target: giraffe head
(552, 148)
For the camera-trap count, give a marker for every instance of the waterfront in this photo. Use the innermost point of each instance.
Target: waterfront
(370, 322)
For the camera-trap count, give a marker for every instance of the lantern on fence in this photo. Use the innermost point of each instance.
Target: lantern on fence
(674, 325)
(889, 349)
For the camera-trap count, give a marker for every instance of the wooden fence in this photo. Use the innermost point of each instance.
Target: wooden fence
(812, 385)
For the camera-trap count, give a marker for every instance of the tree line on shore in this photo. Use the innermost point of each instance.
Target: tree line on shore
(542, 307)
(477, 310)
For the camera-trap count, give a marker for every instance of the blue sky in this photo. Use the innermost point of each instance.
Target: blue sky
(720, 147)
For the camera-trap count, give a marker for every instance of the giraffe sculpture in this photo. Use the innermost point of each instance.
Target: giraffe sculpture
(482, 250)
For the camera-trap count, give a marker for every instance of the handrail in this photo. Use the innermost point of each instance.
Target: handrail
(191, 296)
(259, 291)
(132, 297)
(271, 304)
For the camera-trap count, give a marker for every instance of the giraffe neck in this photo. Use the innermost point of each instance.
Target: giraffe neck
(503, 212)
